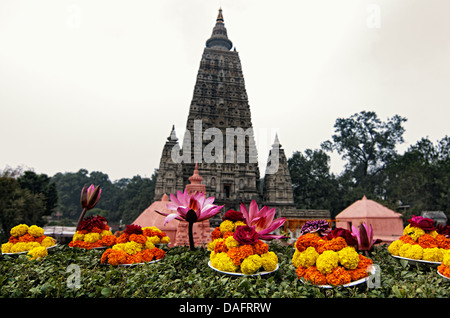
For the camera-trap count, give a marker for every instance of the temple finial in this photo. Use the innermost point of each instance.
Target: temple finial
(220, 16)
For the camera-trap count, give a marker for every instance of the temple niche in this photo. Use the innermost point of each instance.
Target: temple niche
(220, 104)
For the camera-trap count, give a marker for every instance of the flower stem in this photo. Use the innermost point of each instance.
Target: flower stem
(81, 218)
(191, 236)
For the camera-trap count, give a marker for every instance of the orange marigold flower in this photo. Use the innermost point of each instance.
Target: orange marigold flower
(220, 247)
(216, 234)
(314, 276)
(147, 255)
(444, 270)
(300, 271)
(26, 238)
(123, 238)
(13, 240)
(407, 239)
(427, 241)
(108, 240)
(305, 241)
(442, 241)
(96, 230)
(339, 276)
(158, 253)
(117, 257)
(40, 238)
(105, 255)
(364, 262)
(138, 238)
(260, 247)
(227, 234)
(357, 273)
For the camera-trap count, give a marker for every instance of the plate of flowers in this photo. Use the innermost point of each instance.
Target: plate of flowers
(242, 274)
(417, 261)
(372, 272)
(24, 238)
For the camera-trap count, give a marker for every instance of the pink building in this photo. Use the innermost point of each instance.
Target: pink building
(387, 225)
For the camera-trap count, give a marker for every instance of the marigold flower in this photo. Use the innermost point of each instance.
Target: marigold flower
(339, 276)
(251, 264)
(432, 254)
(260, 247)
(37, 253)
(230, 242)
(6, 247)
(269, 261)
(220, 246)
(446, 258)
(444, 270)
(26, 238)
(304, 241)
(427, 241)
(216, 234)
(306, 258)
(348, 257)
(313, 275)
(19, 230)
(138, 238)
(443, 242)
(226, 226)
(394, 247)
(35, 231)
(327, 262)
(91, 237)
(413, 232)
(411, 251)
(48, 242)
(222, 262)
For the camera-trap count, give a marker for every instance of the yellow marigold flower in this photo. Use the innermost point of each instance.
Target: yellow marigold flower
(226, 226)
(91, 237)
(348, 257)
(105, 232)
(446, 258)
(154, 239)
(19, 230)
(433, 234)
(432, 254)
(269, 261)
(230, 242)
(251, 264)
(36, 231)
(165, 240)
(31, 245)
(149, 243)
(394, 247)
(238, 223)
(222, 262)
(413, 232)
(48, 241)
(133, 247)
(327, 261)
(212, 256)
(37, 253)
(6, 248)
(306, 258)
(211, 244)
(19, 247)
(411, 251)
(78, 237)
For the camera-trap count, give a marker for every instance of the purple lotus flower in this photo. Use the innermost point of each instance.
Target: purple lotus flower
(320, 227)
(262, 220)
(365, 237)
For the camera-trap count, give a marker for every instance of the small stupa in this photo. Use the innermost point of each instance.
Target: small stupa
(177, 230)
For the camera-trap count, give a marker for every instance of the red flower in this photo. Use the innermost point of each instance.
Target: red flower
(350, 239)
(234, 216)
(246, 235)
(425, 224)
(93, 221)
(133, 229)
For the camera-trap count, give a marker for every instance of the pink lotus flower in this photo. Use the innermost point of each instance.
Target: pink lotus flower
(262, 220)
(191, 208)
(89, 198)
(364, 236)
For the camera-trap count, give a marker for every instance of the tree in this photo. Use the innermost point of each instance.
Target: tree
(314, 186)
(367, 143)
(18, 205)
(40, 184)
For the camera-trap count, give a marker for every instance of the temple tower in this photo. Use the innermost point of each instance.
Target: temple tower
(219, 132)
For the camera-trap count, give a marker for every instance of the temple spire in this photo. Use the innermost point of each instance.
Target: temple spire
(219, 38)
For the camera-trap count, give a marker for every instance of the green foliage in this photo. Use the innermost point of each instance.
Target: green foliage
(185, 273)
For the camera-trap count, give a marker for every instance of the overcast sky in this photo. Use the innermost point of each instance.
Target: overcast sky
(98, 84)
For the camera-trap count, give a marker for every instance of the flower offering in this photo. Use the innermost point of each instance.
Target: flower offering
(422, 240)
(93, 232)
(29, 239)
(136, 245)
(326, 257)
(236, 247)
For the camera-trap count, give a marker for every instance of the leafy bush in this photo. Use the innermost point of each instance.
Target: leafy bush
(185, 273)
